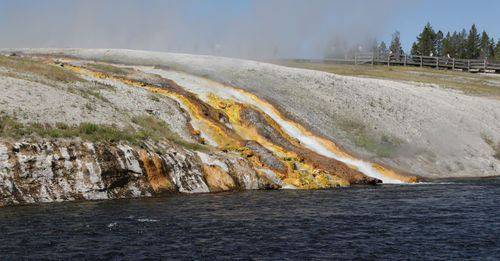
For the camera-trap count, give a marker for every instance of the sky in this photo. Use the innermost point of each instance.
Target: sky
(444, 15)
(237, 28)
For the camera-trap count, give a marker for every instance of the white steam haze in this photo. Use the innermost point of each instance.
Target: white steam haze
(249, 29)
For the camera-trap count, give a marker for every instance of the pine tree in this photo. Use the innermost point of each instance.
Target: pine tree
(497, 50)
(382, 48)
(492, 47)
(454, 42)
(446, 47)
(473, 44)
(425, 40)
(461, 44)
(396, 44)
(485, 49)
(438, 43)
(414, 49)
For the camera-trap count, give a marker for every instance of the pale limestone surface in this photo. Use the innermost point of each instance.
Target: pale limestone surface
(30, 101)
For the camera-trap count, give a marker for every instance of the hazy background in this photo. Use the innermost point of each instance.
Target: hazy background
(251, 29)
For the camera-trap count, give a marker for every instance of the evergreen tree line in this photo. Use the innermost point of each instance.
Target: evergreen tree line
(463, 45)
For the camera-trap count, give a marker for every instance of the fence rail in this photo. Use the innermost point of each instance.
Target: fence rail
(469, 65)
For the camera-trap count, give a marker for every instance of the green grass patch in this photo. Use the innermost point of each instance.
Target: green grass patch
(92, 90)
(49, 71)
(149, 128)
(108, 68)
(89, 107)
(154, 98)
(86, 93)
(358, 133)
(87, 131)
(154, 128)
(103, 86)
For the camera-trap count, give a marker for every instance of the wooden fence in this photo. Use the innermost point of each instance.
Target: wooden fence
(469, 65)
(479, 65)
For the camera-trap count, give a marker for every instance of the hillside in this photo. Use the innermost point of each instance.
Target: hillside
(123, 123)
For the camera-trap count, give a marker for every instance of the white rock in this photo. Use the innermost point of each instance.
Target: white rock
(132, 163)
(207, 159)
(4, 153)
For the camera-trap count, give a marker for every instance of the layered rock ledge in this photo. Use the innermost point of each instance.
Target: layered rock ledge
(62, 171)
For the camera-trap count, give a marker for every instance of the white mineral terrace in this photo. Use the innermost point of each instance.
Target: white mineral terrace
(203, 87)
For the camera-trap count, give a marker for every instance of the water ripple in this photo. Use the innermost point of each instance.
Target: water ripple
(428, 221)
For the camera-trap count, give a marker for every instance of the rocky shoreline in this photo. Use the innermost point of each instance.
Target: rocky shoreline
(66, 171)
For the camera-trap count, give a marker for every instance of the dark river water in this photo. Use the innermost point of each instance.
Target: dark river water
(398, 222)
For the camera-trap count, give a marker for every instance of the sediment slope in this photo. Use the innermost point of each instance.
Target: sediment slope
(88, 124)
(73, 129)
(417, 128)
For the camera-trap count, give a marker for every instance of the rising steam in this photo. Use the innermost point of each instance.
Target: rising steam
(250, 29)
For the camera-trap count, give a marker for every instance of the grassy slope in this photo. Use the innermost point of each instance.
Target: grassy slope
(26, 65)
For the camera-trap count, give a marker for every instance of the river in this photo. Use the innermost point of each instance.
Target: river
(446, 220)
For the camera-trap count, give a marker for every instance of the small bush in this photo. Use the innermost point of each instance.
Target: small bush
(88, 128)
(496, 148)
(89, 107)
(61, 125)
(88, 92)
(104, 86)
(154, 98)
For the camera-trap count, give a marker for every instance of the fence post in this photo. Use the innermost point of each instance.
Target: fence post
(453, 66)
(437, 62)
(355, 59)
(421, 62)
(405, 59)
(468, 65)
(485, 65)
(373, 58)
(389, 60)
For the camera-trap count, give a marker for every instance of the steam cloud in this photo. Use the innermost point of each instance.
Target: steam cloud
(249, 29)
